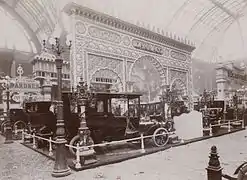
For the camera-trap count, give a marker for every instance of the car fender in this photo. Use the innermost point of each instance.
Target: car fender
(151, 129)
(242, 165)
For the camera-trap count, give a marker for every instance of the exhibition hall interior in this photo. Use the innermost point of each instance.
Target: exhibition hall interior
(89, 89)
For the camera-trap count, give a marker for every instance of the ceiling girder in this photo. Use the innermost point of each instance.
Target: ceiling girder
(223, 8)
(30, 32)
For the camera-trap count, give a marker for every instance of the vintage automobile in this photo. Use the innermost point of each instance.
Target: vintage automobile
(39, 117)
(99, 118)
(156, 108)
(105, 126)
(18, 120)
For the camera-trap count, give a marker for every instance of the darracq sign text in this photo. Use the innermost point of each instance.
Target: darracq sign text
(147, 47)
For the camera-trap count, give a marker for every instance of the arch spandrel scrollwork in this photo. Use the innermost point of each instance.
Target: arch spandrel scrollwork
(176, 74)
(104, 34)
(178, 84)
(96, 62)
(80, 28)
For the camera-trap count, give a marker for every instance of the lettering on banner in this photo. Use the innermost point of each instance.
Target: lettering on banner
(145, 46)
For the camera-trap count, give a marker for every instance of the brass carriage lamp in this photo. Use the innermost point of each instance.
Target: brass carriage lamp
(5, 82)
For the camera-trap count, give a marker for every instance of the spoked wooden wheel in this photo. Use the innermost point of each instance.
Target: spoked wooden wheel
(242, 174)
(160, 137)
(19, 126)
(75, 140)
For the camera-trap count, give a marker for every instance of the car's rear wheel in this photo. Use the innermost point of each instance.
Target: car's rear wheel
(160, 137)
(19, 126)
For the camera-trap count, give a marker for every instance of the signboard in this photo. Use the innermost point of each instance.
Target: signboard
(24, 84)
(147, 47)
(231, 74)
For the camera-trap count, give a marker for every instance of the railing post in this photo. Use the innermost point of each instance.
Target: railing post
(142, 144)
(210, 130)
(34, 141)
(78, 163)
(23, 135)
(50, 147)
(229, 126)
(16, 133)
(214, 170)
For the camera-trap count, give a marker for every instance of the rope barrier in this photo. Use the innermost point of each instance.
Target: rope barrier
(142, 137)
(38, 137)
(118, 142)
(228, 123)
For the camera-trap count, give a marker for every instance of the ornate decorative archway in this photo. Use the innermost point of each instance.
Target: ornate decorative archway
(147, 75)
(178, 84)
(107, 76)
(154, 62)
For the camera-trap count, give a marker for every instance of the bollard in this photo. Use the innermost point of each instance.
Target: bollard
(214, 170)
(142, 144)
(78, 163)
(210, 130)
(219, 121)
(50, 147)
(34, 143)
(243, 124)
(229, 126)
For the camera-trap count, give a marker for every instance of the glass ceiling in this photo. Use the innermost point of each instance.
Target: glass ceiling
(217, 27)
(13, 35)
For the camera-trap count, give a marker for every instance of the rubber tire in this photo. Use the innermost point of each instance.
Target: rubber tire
(242, 174)
(20, 121)
(2, 127)
(155, 132)
(71, 143)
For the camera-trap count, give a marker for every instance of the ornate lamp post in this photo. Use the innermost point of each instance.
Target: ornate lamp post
(8, 133)
(82, 96)
(61, 167)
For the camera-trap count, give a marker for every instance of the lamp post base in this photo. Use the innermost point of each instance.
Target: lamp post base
(8, 134)
(61, 168)
(61, 173)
